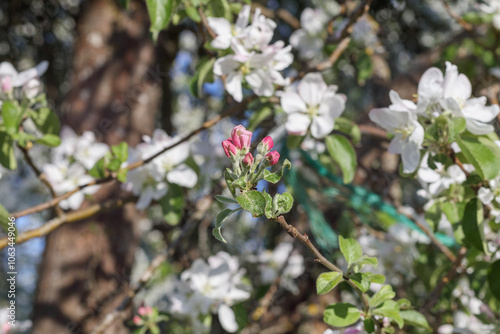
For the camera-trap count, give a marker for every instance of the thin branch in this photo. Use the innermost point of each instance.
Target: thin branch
(205, 23)
(302, 237)
(206, 125)
(332, 59)
(358, 12)
(372, 131)
(69, 218)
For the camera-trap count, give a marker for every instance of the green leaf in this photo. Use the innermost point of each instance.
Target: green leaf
(390, 309)
(46, 121)
(220, 8)
(414, 318)
(225, 200)
(375, 278)
(472, 224)
(456, 126)
(114, 165)
(99, 170)
(493, 281)
(4, 220)
(193, 14)
(120, 151)
(403, 302)
(160, 12)
(349, 128)
(11, 116)
(369, 325)
(341, 314)
(269, 205)
(342, 152)
(283, 203)
(221, 218)
(228, 177)
(361, 280)
(172, 204)
(7, 157)
(481, 154)
(276, 176)
(327, 281)
(351, 249)
(203, 74)
(253, 201)
(121, 175)
(365, 260)
(49, 140)
(385, 293)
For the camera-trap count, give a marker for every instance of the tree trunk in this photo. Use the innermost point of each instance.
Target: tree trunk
(116, 89)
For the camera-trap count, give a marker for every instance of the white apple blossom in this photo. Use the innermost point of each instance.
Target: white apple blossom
(225, 31)
(313, 105)
(211, 287)
(150, 181)
(439, 179)
(18, 79)
(65, 177)
(452, 92)
(400, 119)
(310, 38)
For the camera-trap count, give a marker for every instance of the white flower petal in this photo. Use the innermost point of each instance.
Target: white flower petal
(227, 318)
(297, 124)
(321, 126)
(292, 103)
(183, 176)
(311, 89)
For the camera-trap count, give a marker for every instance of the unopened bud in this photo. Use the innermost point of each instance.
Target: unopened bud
(229, 147)
(265, 145)
(248, 160)
(272, 158)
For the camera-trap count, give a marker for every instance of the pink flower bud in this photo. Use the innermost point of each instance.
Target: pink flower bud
(268, 143)
(273, 158)
(229, 147)
(137, 320)
(248, 160)
(6, 84)
(142, 310)
(241, 137)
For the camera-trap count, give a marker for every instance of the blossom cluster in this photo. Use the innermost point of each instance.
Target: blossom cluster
(28, 81)
(254, 61)
(210, 287)
(150, 182)
(448, 95)
(70, 163)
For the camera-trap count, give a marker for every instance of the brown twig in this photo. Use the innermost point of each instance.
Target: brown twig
(206, 125)
(69, 218)
(372, 131)
(302, 237)
(205, 23)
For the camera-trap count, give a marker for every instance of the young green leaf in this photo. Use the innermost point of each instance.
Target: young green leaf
(253, 201)
(7, 157)
(4, 219)
(349, 128)
(390, 309)
(481, 154)
(375, 278)
(361, 280)
(341, 314)
(364, 260)
(284, 203)
(276, 176)
(472, 224)
(120, 151)
(414, 318)
(11, 115)
(327, 281)
(49, 140)
(351, 249)
(342, 152)
(493, 281)
(385, 293)
(160, 12)
(221, 218)
(46, 121)
(268, 210)
(225, 200)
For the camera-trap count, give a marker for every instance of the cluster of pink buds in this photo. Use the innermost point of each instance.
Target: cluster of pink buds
(144, 312)
(237, 148)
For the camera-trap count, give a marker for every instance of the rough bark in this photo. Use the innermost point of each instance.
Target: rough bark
(116, 89)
